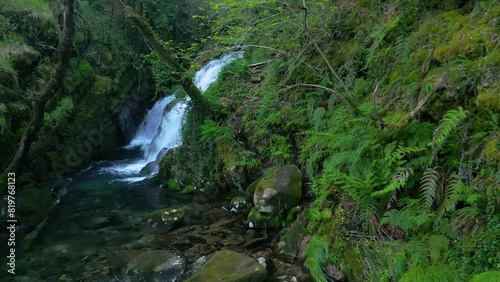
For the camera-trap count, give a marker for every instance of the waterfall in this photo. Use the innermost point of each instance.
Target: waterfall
(161, 129)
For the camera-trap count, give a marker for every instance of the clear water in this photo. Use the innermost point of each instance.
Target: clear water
(96, 228)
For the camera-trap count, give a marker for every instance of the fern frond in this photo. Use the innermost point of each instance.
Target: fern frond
(450, 122)
(428, 187)
(316, 117)
(488, 276)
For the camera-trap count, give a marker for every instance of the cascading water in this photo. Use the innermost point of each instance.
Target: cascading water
(95, 228)
(161, 129)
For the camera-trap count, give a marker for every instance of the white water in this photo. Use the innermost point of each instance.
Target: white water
(161, 130)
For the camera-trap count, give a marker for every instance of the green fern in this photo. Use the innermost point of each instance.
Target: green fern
(428, 187)
(315, 255)
(488, 276)
(450, 122)
(316, 117)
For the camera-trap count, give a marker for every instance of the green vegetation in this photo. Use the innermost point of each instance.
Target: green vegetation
(391, 111)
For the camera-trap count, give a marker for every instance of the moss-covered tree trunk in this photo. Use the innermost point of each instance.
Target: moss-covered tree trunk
(167, 56)
(54, 84)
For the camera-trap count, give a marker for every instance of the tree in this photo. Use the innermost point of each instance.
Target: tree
(166, 54)
(54, 84)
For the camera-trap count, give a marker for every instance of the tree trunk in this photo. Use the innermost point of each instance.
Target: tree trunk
(167, 56)
(55, 82)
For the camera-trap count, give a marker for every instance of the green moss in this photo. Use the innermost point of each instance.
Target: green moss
(257, 220)
(102, 85)
(492, 150)
(489, 98)
(230, 266)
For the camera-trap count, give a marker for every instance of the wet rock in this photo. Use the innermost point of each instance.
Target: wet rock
(194, 266)
(156, 266)
(147, 169)
(279, 192)
(239, 205)
(230, 266)
(169, 218)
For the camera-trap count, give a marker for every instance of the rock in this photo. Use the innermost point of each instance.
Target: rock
(251, 190)
(238, 205)
(147, 169)
(195, 266)
(169, 218)
(334, 272)
(155, 266)
(257, 220)
(230, 266)
(279, 192)
(291, 239)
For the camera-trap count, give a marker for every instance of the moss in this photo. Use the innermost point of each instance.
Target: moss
(257, 220)
(168, 218)
(251, 190)
(230, 266)
(492, 150)
(102, 85)
(353, 263)
(489, 98)
(8, 77)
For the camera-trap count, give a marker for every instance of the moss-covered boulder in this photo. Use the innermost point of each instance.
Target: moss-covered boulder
(168, 218)
(251, 190)
(280, 191)
(156, 266)
(230, 266)
(258, 220)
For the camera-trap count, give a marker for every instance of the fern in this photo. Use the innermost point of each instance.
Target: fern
(315, 254)
(316, 117)
(488, 276)
(450, 122)
(428, 187)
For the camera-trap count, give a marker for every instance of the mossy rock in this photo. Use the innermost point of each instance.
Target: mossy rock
(239, 205)
(280, 191)
(230, 266)
(258, 220)
(251, 190)
(156, 266)
(147, 169)
(291, 239)
(168, 218)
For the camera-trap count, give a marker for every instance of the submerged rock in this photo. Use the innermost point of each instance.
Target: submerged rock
(230, 266)
(156, 266)
(169, 218)
(279, 192)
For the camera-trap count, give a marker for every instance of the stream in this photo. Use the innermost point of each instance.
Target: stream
(96, 228)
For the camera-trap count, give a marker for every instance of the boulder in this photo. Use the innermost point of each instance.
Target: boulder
(280, 191)
(169, 218)
(159, 265)
(251, 190)
(230, 266)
